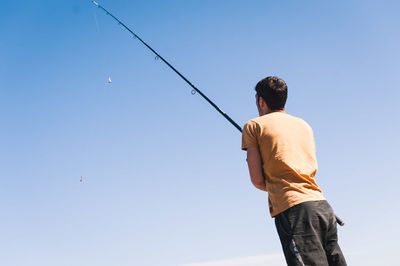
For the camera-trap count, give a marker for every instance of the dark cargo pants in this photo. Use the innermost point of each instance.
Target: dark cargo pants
(308, 235)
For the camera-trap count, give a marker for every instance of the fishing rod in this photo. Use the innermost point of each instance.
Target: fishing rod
(195, 90)
(158, 56)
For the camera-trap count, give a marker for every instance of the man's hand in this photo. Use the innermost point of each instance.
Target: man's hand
(254, 163)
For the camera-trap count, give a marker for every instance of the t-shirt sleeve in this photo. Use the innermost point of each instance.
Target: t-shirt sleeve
(313, 141)
(250, 134)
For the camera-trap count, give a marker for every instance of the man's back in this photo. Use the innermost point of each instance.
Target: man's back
(287, 148)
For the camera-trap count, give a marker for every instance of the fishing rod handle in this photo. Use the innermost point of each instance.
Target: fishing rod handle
(339, 221)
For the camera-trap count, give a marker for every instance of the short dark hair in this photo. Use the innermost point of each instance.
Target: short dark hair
(274, 92)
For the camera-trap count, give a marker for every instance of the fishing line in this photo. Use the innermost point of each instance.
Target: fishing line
(98, 31)
(97, 23)
(159, 57)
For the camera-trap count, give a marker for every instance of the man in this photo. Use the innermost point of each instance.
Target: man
(281, 160)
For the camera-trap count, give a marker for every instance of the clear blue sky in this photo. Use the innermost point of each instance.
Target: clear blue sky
(165, 181)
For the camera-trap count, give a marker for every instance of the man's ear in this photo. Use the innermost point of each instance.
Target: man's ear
(262, 103)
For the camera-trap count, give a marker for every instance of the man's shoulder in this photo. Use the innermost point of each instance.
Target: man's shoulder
(277, 119)
(255, 120)
(275, 116)
(251, 125)
(263, 119)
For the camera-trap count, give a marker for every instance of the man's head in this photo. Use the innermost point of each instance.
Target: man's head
(271, 95)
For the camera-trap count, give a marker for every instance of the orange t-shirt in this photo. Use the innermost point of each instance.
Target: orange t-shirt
(287, 149)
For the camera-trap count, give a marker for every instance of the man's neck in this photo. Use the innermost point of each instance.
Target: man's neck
(275, 111)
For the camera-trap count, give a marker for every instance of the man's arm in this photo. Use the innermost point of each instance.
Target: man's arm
(255, 168)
